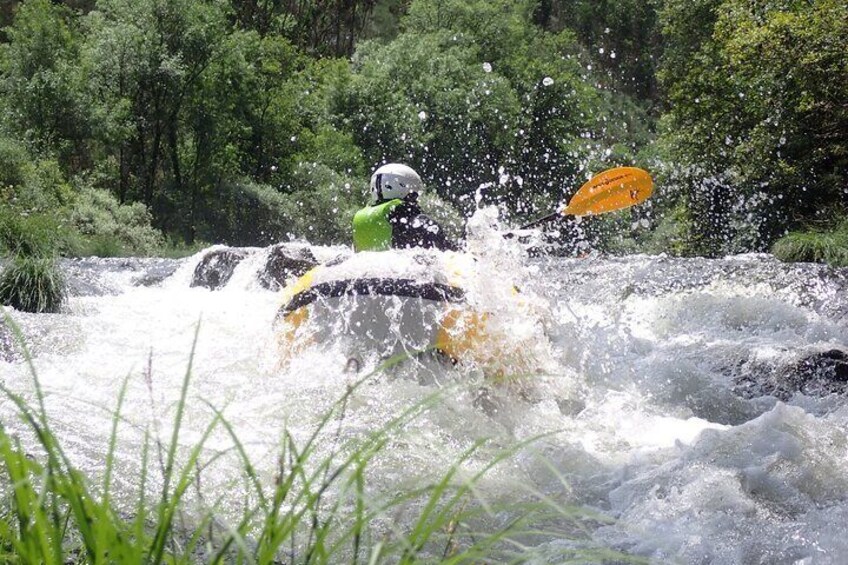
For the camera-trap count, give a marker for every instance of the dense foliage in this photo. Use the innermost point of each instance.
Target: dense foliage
(139, 124)
(758, 116)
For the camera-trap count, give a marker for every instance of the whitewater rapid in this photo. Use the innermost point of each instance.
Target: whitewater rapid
(634, 391)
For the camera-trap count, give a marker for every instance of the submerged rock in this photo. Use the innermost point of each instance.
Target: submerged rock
(156, 272)
(216, 268)
(97, 276)
(284, 262)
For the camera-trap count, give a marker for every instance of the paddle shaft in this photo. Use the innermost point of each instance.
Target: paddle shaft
(541, 220)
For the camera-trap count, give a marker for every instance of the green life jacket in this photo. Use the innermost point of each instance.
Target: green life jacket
(371, 228)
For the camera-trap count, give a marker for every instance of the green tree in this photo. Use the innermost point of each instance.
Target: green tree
(198, 114)
(40, 83)
(622, 38)
(758, 115)
(148, 60)
(320, 27)
(481, 100)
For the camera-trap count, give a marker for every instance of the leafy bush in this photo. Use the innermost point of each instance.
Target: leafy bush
(251, 214)
(672, 234)
(31, 281)
(28, 235)
(32, 284)
(757, 105)
(111, 228)
(28, 183)
(13, 164)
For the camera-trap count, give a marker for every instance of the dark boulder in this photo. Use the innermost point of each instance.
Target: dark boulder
(821, 373)
(216, 268)
(817, 374)
(284, 262)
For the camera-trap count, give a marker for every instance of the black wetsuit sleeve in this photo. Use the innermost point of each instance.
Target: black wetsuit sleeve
(412, 228)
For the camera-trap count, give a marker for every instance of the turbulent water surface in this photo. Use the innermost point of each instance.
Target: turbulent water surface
(654, 382)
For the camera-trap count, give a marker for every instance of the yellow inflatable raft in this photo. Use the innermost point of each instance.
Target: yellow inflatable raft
(388, 302)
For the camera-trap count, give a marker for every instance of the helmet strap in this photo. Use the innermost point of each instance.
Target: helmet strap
(378, 184)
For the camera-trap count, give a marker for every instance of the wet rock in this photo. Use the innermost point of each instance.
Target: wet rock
(817, 374)
(78, 286)
(821, 373)
(284, 262)
(216, 268)
(570, 406)
(83, 276)
(156, 273)
(99, 276)
(755, 381)
(487, 402)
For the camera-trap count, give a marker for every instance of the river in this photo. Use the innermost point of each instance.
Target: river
(656, 387)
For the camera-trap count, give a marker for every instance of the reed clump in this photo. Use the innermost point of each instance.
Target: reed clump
(30, 280)
(32, 284)
(816, 245)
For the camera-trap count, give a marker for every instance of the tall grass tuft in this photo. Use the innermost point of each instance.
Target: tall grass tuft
(32, 284)
(31, 280)
(320, 508)
(816, 245)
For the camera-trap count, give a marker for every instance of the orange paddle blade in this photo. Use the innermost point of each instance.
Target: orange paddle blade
(611, 190)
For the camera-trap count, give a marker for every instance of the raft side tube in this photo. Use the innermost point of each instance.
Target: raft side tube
(450, 326)
(404, 288)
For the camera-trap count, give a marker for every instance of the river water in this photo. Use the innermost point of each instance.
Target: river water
(651, 381)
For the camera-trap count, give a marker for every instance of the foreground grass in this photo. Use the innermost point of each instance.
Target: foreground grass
(319, 508)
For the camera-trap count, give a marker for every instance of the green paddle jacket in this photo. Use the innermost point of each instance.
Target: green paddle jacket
(396, 224)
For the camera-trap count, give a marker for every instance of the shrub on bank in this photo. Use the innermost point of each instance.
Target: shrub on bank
(31, 235)
(109, 228)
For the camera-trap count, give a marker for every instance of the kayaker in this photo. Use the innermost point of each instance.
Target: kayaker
(394, 220)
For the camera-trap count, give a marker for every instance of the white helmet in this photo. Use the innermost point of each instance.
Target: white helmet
(394, 180)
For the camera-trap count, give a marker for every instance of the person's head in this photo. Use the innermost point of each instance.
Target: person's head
(394, 180)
